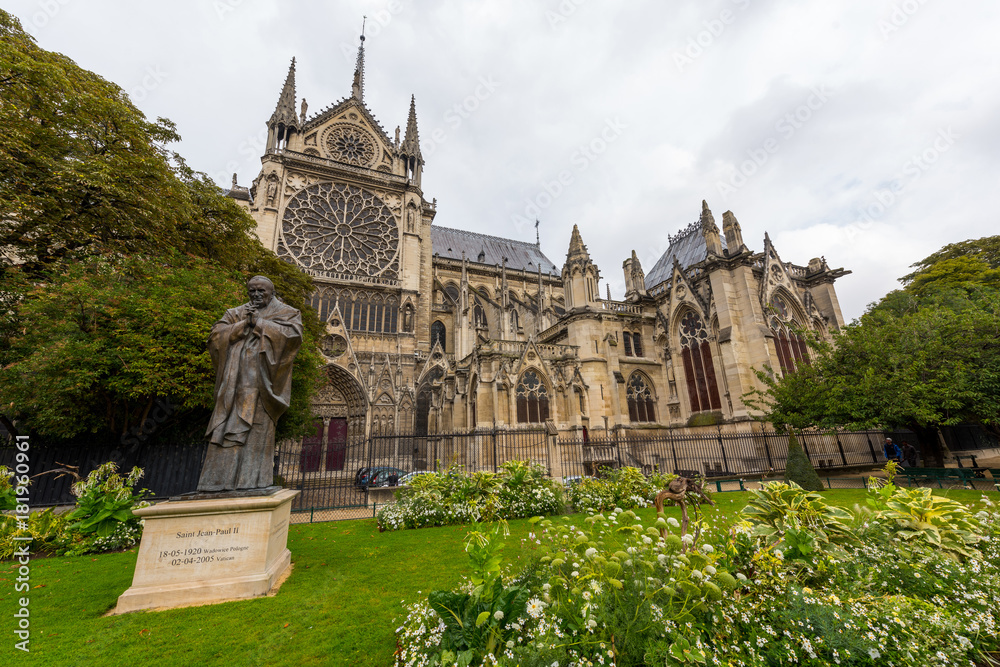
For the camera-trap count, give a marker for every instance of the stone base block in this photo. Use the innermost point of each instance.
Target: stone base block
(196, 552)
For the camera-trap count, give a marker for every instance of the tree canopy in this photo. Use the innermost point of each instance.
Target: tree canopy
(117, 258)
(923, 357)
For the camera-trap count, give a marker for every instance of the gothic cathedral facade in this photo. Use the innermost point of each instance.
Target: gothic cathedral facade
(432, 330)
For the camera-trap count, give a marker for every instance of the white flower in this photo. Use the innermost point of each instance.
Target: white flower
(590, 553)
(873, 652)
(646, 540)
(535, 607)
(510, 643)
(591, 624)
(707, 548)
(546, 587)
(697, 574)
(687, 539)
(574, 573)
(674, 522)
(710, 569)
(498, 615)
(778, 554)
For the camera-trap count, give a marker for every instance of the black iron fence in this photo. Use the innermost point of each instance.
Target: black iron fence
(718, 454)
(169, 468)
(338, 472)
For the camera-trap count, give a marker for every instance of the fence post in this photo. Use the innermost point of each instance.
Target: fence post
(841, 448)
(493, 435)
(725, 461)
(767, 450)
(868, 438)
(673, 450)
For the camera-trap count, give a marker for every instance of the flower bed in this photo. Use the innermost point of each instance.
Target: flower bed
(101, 521)
(520, 489)
(913, 579)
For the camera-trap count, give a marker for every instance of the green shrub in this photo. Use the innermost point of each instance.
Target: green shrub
(519, 489)
(103, 519)
(626, 488)
(799, 468)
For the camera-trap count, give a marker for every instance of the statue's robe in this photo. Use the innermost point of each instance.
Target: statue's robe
(253, 386)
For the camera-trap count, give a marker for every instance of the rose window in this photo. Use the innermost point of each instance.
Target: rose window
(346, 143)
(341, 229)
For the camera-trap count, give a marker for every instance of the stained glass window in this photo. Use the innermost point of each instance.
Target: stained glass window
(641, 407)
(699, 371)
(532, 399)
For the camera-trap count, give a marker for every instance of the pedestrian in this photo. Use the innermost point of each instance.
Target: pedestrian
(892, 452)
(909, 455)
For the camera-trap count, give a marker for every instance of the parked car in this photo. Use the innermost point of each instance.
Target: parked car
(408, 477)
(380, 476)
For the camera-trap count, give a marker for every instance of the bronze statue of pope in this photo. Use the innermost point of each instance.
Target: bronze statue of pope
(252, 348)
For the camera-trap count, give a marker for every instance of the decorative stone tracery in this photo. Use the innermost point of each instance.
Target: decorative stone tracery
(341, 229)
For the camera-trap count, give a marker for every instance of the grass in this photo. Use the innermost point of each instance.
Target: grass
(337, 608)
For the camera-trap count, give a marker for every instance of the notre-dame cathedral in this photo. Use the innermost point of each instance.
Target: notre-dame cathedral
(432, 329)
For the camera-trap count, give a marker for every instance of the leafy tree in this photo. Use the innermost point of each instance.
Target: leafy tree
(107, 337)
(986, 249)
(115, 257)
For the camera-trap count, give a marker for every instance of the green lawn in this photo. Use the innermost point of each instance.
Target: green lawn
(337, 608)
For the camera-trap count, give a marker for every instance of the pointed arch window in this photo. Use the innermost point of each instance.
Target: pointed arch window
(438, 334)
(699, 371)
(641, 406)
(788, 342)
(532, 399)
(479, 316)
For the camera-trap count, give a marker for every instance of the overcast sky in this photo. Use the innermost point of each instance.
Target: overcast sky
(866, 132)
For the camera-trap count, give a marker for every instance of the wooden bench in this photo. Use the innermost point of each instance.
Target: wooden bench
(939, 475)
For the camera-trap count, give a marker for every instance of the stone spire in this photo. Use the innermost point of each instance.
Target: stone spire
(709, 230)
(411, 140)
(577, 251)
(358, 87)
(734, 235)
(580, 274)
(284, 112)
(635, 278)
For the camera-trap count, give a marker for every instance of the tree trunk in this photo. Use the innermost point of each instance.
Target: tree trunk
(930, 444)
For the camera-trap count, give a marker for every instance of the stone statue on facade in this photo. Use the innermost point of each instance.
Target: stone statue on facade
(252, 348)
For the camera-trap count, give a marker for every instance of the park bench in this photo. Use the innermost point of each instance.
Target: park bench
(938, 475)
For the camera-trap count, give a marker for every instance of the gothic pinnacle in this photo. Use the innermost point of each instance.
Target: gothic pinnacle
(411, 140)
(284, 112)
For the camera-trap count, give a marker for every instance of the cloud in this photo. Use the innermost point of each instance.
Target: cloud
(565, 69)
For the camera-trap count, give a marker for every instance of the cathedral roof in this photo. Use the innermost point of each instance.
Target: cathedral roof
(521, 255)
(687, 247)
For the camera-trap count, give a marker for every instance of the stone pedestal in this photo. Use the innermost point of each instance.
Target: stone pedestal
(197, 552)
